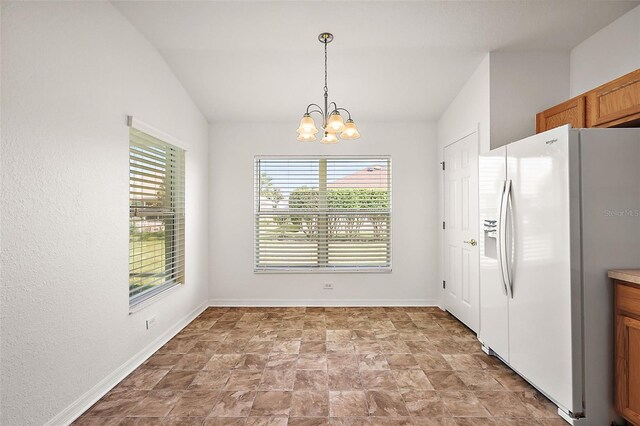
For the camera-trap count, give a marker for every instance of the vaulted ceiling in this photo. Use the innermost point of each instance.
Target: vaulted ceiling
(395, 61)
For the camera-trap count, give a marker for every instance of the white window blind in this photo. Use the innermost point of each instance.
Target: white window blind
(323, 214)
(156, 211)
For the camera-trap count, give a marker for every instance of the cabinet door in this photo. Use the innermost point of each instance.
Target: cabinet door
(615, 103)
(628, 368)
(569, 112)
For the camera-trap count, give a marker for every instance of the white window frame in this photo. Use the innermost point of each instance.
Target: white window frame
(319, 270)
(140, 301)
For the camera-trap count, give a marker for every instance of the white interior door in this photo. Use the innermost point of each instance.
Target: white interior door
(461, 274)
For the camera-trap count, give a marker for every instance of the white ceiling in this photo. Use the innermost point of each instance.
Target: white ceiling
(395, 61)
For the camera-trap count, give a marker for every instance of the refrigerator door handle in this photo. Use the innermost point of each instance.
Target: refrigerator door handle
(506, 256)
(502, 237)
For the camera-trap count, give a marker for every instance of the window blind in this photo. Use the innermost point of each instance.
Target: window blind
(156, 216)
(322, 213)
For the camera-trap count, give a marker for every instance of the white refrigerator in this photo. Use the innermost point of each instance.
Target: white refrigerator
(557, 210)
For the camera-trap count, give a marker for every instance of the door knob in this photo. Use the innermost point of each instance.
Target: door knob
(472, 242)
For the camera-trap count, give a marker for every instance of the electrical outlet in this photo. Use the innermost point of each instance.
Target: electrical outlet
(151, 322)
(328, 286)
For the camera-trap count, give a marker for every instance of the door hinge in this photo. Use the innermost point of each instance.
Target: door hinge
(444, 225)
(443, 165)
(444, 284)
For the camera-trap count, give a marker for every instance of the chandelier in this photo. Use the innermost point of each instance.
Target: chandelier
(332, 122)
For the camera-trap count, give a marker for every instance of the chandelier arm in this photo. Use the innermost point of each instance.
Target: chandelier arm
(315, 105)
(316, 110)
(342, 109)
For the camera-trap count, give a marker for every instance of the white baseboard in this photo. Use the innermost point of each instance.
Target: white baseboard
(90, 397)
(323, 302)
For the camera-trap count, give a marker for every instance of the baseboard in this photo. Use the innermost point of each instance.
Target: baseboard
(90, 397)
(323, 302)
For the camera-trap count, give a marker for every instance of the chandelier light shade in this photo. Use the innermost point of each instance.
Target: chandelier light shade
(335, 123)
(306, 137)
(329, 138)
(332, 121)
(307, 125)
(350, 131)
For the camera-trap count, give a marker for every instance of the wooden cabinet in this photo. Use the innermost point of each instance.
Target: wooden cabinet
(628, 350)
(614, 104)
(571, 112)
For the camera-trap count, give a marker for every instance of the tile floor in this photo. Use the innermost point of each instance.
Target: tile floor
(323, 366)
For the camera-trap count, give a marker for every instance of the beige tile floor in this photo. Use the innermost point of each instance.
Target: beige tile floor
(323, 366)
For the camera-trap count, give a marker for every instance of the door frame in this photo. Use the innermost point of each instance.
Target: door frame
(476, 130)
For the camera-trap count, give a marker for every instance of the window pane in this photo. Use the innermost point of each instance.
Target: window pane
(279, 178)
(323, 213)
(156, 224)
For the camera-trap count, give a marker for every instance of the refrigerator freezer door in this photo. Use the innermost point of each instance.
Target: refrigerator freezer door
(494, 314)
(542, 347)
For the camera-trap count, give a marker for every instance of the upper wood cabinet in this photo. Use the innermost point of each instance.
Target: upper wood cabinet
(614, 104)
(572, 111)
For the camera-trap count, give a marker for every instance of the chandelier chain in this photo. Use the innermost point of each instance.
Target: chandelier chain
(326, 88)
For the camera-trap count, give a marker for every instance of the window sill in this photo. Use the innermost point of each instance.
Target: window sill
(386, 270)
(152, 299)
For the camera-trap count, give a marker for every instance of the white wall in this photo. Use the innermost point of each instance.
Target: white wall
(608, 54)
(415, 167)
(523, 84)
(469, 111)
(503, 96)
(71, 72)
(1, 285)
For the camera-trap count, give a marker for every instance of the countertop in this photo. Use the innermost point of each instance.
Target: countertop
(629, 275)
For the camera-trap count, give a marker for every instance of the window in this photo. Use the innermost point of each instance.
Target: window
(322, 214)
(156, 216)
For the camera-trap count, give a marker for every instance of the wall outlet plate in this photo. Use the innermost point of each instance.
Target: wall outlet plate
(328, 286)
(151, 322)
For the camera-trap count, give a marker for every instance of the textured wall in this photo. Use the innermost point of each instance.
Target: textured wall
(71, 72)
(469, 111)
(521, 85)
(412, 147)
(611, 52)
